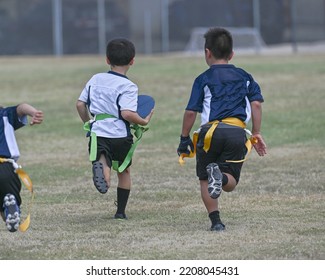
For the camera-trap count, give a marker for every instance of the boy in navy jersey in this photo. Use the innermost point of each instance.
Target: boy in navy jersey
(111, 99)
(227, 97)
(11, 119)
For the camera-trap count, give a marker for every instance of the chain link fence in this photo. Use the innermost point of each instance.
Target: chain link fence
(45, 27)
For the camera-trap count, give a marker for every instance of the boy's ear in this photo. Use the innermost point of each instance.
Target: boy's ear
(132, 61)
(231, 55)
(207, 53)
(107, 61)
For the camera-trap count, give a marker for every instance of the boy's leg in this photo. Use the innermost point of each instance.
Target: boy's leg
(209, 203)
(123, 192)
(212, 207)
(228, 143)
(9, 182)
(101, 174)
(106, 170)
(231, 184)
(218, 181)
(11, 212)
(214, 180)
(101, 167)
(10, 200)
(120, 148)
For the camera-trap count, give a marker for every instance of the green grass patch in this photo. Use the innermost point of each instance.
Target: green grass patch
(276, 211)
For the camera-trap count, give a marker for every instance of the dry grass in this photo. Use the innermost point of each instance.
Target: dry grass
(276, 212)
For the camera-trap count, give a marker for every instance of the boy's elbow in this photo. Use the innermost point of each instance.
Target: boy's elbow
(127, 115)
(256, 105)
(80, 105)
(190, 114)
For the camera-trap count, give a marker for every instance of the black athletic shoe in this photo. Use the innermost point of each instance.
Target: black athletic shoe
(119, 216)
(214, 180)
(11, 212)
(98, 177)
(218, 227)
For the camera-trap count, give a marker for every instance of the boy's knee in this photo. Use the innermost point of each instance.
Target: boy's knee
(228, 188)
(126, 172)
(230, 183)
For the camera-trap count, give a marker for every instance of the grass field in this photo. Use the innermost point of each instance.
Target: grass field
(276, 211)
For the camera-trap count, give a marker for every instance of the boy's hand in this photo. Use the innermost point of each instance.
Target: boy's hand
(185, 143)
(37, 118)
(148, 118)
(260, 146)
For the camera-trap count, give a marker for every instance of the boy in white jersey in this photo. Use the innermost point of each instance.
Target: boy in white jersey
(11, 119)
(111, 99)
(227, 97)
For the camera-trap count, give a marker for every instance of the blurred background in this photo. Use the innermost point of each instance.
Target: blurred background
(59, 27)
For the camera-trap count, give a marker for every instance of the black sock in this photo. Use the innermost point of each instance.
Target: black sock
(122, 200)
(224, 179)
(215, 217)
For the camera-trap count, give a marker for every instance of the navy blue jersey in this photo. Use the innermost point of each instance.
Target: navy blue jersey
(224, 91)
(9, 122)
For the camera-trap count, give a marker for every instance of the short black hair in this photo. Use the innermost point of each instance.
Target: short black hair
(120, 51)
(219, 41)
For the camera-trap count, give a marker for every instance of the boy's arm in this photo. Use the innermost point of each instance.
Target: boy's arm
(26, 109)
(188, 122)
(260, 146)
(82, 111)
(133, 117)
(186, 145)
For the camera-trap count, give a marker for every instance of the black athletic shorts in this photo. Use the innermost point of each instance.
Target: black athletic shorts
(114, 149)
(9, 182)
(228, 143)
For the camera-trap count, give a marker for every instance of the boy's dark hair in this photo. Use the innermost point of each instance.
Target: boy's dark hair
(219, 41)
(120, 52)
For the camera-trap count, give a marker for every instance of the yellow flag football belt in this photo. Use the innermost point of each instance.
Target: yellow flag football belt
(29, 185)
(208, 137)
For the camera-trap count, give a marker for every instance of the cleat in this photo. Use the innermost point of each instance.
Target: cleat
(11, 212)
(98, 177)
(218, 227)
(214, 180)
(119, 216)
